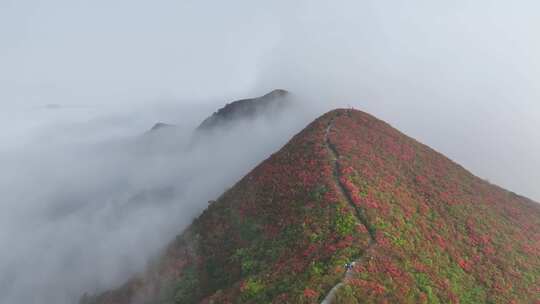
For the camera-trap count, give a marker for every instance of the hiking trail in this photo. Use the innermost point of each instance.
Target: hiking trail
(359, 214)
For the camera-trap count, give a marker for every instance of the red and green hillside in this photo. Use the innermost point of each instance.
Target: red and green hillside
(350, 188)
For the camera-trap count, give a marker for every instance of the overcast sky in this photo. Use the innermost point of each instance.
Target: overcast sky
(461, 76)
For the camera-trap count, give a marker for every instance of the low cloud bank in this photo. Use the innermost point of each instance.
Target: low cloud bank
(84, 215)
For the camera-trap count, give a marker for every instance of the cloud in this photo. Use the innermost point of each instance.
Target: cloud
(83, 215)
(460, 76)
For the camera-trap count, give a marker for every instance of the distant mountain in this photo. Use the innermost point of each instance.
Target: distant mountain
(160, 125)
(241, 110)
(52, 106)
(351, 211)
(244, 109)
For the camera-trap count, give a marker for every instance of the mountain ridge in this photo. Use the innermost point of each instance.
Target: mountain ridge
(426, 229)
(269, 104)
(248, 108)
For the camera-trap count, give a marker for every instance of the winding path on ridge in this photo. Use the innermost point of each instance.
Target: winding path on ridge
(334, 156)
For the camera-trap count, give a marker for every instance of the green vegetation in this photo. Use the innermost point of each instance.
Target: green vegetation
(185, 290)
(252, 289)
(345, 223)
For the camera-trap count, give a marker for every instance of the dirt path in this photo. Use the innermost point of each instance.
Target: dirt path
(358, 212)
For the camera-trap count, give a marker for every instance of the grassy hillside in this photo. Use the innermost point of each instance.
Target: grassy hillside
(420, 228)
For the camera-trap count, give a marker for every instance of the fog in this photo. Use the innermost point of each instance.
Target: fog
(83, 215)
(88, 197)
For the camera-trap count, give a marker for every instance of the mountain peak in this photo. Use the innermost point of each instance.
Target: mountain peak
(160, 125)
(351, 210)
(277, 93)
(249, 108)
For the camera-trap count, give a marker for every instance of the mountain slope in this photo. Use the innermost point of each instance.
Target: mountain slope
(349, 188)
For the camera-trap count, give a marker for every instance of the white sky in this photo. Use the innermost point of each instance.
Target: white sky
(462, 76)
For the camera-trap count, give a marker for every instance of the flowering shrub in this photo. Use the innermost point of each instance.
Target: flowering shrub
(310, 293)
(455, 233)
